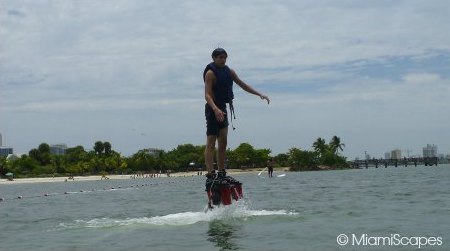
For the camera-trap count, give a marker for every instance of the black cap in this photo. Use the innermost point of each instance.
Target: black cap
(217, 52)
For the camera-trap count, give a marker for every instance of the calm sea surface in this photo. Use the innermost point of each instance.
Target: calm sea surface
(300, 211)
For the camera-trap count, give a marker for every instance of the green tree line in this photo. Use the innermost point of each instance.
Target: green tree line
(39, 162)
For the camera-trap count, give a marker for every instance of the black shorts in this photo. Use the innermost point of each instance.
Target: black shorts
(212, 125)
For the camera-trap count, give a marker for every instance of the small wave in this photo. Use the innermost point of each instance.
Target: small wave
(177, 219)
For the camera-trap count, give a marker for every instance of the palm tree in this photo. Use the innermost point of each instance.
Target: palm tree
(99, 147)
(107, 148)
(320, 146)
(336, 144)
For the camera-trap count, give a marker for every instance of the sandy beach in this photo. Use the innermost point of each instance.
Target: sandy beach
(125, 176)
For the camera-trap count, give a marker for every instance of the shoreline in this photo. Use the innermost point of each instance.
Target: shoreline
(124, 176)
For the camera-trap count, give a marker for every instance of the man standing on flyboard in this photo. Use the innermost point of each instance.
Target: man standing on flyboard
(219, 78)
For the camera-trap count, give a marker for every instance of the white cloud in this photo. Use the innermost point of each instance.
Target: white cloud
(422, 78)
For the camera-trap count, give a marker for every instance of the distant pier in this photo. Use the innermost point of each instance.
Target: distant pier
(428, 161)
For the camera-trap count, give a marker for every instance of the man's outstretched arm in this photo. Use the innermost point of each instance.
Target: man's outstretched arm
(247, 87)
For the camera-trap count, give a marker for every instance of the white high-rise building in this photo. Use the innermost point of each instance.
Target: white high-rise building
(430, 151)
(5, 151)
(396, 154)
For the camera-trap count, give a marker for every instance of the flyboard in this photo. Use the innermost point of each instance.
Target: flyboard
(222, 189)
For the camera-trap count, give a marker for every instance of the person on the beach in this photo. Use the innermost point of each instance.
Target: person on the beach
(270, 167)
(219, 78)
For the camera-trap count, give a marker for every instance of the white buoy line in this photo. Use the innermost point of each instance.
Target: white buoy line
(112, 188)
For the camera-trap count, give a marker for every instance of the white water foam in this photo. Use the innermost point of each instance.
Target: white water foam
(235, 211)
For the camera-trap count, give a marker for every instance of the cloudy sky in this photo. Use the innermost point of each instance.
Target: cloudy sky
(374, 73)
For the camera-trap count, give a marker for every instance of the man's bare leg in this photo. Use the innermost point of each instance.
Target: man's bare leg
(209, 152)
(209, 161)
(222, 148)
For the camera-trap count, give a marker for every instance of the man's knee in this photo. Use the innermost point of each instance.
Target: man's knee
(210, 145)
(222, 143)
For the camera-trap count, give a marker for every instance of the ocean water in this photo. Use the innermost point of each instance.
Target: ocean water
(299, 211)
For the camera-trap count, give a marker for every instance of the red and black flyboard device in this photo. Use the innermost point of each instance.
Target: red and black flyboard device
(222, 189)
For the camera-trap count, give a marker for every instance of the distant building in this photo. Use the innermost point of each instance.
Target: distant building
(430, 151)
(387, 155)
(4, 151)
(59, 149)
(152, 151)
(396, 154)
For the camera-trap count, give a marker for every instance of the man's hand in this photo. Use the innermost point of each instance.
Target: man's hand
(220, 115)
(265, 97)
